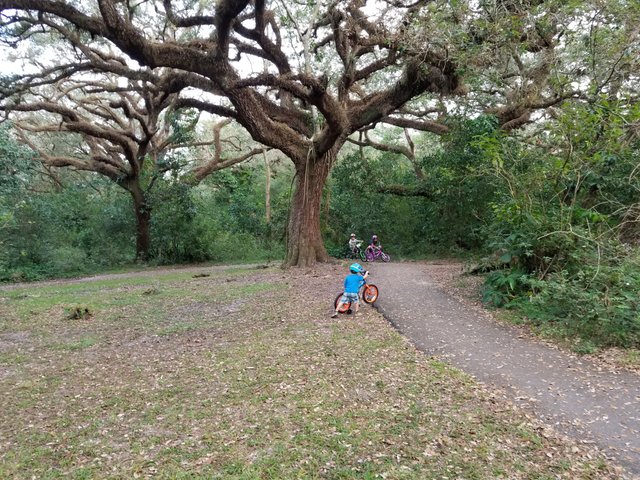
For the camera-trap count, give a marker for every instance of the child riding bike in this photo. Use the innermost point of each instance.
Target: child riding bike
(374, 244)
(354, 243)
(352, 284)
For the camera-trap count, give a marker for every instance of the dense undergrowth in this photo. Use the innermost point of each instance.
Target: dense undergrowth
(594, 304)
(564, 236)
(87, 225)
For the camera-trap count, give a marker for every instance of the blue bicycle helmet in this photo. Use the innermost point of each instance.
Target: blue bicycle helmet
(356, 268)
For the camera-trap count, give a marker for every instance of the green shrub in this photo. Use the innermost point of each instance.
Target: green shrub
(502, 287)
(599, 303)
(67, 260)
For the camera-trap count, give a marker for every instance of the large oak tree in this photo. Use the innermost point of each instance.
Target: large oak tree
(303, 77)
(306, 114)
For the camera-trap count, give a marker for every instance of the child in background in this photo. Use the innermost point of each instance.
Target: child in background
(354, 244)
(374, 244)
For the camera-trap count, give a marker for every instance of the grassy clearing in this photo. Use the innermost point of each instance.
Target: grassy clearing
(242, 375)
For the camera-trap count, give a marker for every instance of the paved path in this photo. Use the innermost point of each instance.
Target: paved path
(571, 394)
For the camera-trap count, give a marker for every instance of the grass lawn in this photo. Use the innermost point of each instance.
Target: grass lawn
(243, 375)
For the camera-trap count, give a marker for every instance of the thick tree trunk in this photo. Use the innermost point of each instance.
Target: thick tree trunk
(304, 241)
(143, 224)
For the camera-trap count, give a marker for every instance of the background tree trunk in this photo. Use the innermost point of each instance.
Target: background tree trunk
(267, 188)
(143, 224)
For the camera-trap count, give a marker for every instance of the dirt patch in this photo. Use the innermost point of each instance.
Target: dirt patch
(451, 277)
(13, 340)
(615, 359)
(195, 309)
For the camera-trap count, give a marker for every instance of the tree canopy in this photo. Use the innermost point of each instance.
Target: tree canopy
(302, 78)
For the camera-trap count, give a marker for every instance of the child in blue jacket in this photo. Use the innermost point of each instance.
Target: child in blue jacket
(352, 284)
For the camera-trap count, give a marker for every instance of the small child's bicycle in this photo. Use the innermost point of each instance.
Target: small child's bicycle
(368, 293)
(357, 253)
(372, 253)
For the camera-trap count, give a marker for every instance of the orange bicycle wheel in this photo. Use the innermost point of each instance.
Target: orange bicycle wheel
(369, 293)
(344, 308)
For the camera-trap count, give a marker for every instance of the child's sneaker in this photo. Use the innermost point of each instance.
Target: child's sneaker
(334, 315)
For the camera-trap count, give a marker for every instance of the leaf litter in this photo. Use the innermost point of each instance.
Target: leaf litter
(272, 388)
